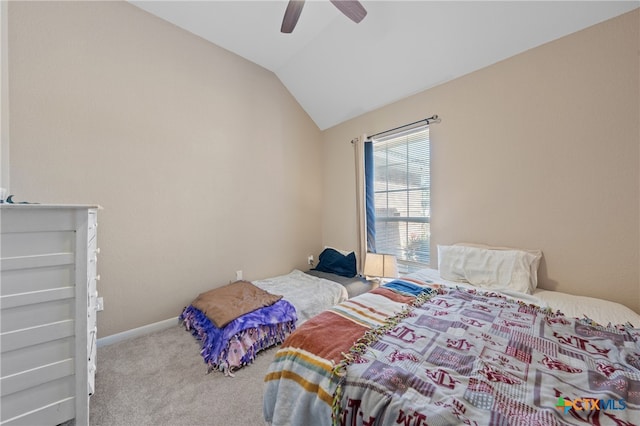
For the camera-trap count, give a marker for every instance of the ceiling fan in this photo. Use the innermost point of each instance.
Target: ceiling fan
(351, 8)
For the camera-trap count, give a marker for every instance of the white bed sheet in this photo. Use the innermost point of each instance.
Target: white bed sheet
(308, 294)
(601, 311)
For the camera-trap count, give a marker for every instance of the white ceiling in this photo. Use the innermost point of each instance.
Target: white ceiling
(337, 69)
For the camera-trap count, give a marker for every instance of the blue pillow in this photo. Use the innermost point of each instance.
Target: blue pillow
(332, 261)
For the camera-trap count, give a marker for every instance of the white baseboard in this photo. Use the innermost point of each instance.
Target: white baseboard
(136, 332)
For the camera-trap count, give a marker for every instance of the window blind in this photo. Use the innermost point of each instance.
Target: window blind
(402, 188)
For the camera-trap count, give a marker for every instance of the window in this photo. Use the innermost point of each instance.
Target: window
(402, 191)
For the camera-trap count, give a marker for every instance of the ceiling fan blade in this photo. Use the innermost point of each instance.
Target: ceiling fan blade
(291, 15)
(351, 8)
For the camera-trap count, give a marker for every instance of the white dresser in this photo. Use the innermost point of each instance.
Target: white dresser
(48, 304)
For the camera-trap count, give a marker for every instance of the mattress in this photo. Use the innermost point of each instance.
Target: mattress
(310, 295)
(354, 285)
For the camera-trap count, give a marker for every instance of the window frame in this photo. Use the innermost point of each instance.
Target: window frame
(419, 134)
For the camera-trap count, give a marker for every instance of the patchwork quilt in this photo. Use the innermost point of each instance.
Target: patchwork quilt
(409, 353)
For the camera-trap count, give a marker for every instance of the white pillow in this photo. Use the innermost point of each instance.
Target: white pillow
(534, 265)
(490, 269)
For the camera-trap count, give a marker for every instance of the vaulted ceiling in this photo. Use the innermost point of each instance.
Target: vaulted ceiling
(337, 69)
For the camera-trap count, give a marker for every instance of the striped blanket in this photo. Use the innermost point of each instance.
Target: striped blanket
(452, 356)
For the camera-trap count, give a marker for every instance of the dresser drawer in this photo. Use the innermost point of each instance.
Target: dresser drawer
(48, 320)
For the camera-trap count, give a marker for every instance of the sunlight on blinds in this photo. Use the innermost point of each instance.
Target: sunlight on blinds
(403, 195)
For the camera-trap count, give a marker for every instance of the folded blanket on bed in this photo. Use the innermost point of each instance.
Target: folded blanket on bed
(224, 304)
(407, 287)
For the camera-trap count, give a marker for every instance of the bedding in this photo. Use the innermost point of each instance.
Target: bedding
(490, 268)
(238, 342)
(235, 322)
(224, 304)
(598, 310)
(309, 295)
(354, 285)
(430, 276)
(415, 352)
(534, 257)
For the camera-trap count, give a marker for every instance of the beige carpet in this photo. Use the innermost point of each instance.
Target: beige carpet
(161, 379)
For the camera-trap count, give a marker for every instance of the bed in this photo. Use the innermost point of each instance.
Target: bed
(235, 322)
(430, 350)
(309, 294)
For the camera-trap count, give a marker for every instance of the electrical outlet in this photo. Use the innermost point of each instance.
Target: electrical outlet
(310, 259)
(238, 275)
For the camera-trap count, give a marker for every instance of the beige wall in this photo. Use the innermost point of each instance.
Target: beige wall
(203, 162)
(4, 95)
(538, 151)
